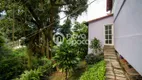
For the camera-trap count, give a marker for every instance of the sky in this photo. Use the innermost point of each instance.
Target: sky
(95, 10)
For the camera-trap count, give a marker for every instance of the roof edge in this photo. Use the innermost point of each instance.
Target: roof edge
(99, 18)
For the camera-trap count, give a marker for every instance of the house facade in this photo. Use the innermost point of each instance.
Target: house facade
(128, 31)
(123, 30)
(96, 29)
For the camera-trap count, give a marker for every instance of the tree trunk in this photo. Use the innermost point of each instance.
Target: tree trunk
(47, 48)
(29, 52)
(45, 32)
(66, 72)
(43, 44)
(51, 43)
(13, 28)
(52, 15)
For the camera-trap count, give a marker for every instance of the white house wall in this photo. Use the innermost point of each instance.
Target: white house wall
(96, 29)
(128, 32)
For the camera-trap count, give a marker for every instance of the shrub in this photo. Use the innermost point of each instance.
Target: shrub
(80, 30)
(30, 75)
(65, 57)
(96, 46)
(4, 52)
(20, 51)
(11, 67)
(15, 63)
(2, 40)
(97, 72)
(91, 58)
(38, 73)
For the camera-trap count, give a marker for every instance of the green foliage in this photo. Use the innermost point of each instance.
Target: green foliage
(39, 73)
(2, 41)
(30, 75)
(11, 67)
(65, 29)
(96, 72)
(3, 49)
(15, 63)
(96, 46)
(26, 17)
(81, 31)
(91, 58)
(20, 51)
(65, 57)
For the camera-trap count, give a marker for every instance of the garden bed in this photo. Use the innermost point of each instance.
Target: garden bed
(95, 72)
(89, 72)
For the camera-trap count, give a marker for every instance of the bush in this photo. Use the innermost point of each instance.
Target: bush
(97, 72)
(11, 67)
(39, 73)
(20, 51)
(2, 40)
(91, 58)
(96, 46)
(30, 75)
(66, 58)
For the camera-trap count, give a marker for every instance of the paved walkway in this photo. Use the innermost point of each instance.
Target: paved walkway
(113, 69)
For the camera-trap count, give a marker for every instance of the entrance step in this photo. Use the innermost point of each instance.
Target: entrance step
(108, 47)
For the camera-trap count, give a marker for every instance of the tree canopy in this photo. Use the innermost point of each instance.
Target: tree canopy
(36, 20)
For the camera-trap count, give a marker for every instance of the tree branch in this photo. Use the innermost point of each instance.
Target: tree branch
(31, 10)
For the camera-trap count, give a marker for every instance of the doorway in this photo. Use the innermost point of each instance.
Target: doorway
(109, 35)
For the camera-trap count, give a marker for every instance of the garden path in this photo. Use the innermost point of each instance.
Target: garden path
(114, 71)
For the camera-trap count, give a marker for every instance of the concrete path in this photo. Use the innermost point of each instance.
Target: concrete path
(113, 69)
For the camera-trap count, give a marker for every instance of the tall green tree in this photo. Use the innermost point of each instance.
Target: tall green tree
(65, 29)
(34, 15)
(80, 36)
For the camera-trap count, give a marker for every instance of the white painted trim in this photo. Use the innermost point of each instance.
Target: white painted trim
(112, 34)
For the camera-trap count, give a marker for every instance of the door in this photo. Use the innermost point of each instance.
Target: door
(109, 34)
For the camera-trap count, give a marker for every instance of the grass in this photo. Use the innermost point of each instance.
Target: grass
(95, 72)
(84, 72)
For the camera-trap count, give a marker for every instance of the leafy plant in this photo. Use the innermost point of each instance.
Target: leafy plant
(11, 67)
(20, 52)
(80, 30)
(30, 75)
(91, 58)
(15, 63)
(97, 72)
(39, 73)
(2, 41)
(65, 57)
(96, 46)
(4, 51)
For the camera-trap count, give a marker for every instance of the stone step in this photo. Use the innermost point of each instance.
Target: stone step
(110, 50)
(114, 70)
(109, 46)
